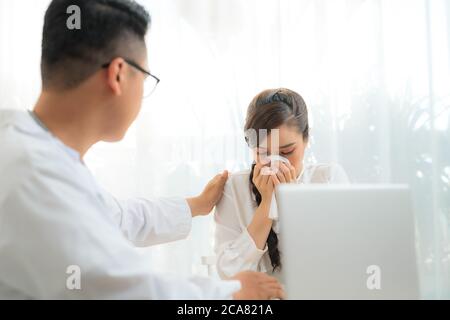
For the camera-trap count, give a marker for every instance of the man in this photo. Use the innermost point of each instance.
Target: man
(54, 218)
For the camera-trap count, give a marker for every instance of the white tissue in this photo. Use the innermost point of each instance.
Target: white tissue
(273, 211)
(268, 170)
(275, 157)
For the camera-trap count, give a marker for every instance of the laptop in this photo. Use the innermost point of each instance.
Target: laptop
(347, 242)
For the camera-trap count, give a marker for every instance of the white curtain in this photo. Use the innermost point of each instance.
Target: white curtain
(374, 73)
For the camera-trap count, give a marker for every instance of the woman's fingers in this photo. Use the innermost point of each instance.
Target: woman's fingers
(293, 172)
(283, 173)
(286, 172)
(257, 170)
(257, 180)
(265, 179)
(280, 175)
(275, 180)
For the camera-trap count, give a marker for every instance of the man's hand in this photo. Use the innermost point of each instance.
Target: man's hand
(205, 202)
(257, 286)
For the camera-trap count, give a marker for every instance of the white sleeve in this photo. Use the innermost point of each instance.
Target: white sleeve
(148, 222)
(48, 224)
(235, 249)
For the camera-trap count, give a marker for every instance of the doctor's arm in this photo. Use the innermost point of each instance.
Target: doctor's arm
(67, 251)
(211, 195)
(148, 222)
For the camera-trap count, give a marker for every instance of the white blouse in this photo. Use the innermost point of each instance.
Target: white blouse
(234, 247)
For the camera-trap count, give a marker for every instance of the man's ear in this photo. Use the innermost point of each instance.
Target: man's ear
(115, 74)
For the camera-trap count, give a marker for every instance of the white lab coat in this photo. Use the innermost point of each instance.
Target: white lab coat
(234, 247)
(54, 215)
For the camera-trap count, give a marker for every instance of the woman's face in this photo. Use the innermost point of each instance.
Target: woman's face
(291, 146)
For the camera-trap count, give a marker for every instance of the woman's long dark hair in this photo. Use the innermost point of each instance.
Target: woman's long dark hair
(269, 110)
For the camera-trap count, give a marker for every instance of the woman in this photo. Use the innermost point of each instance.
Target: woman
(246, 233)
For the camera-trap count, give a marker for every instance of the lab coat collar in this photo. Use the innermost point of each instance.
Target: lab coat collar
(39, 126)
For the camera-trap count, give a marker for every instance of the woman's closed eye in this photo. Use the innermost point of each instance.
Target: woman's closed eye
(287, 153)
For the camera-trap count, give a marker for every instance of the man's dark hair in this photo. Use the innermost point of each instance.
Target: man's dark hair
(109, 29)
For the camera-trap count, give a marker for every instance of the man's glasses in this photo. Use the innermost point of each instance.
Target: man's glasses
(151, 81)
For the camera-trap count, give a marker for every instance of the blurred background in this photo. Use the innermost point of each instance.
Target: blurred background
(375, 75)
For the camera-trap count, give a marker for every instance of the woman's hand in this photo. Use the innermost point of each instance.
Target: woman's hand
(263, 181)
(286, 173)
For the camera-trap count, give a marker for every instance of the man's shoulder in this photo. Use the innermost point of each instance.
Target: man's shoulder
(24, 149)
(19, 138)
